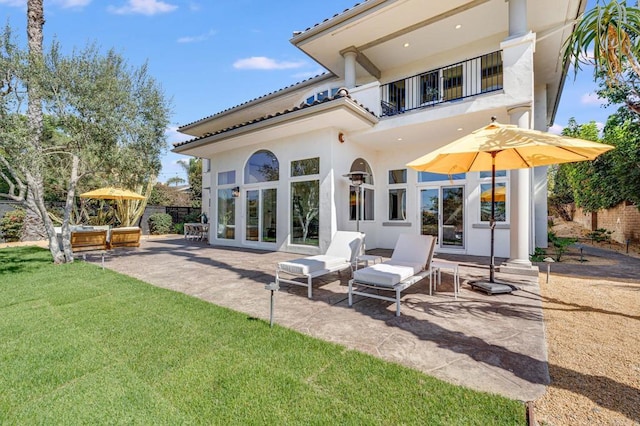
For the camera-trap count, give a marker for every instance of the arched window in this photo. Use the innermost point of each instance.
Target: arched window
(263, 166)
(363, 208)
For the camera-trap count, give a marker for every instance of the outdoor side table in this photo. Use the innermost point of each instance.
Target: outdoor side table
(437, 265)
(366, 258)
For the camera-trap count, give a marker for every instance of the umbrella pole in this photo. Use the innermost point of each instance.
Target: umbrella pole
(492, 220)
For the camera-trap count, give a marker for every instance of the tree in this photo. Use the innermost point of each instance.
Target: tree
(612, 30)
(175, 181)
(107, 124)
(193, 168)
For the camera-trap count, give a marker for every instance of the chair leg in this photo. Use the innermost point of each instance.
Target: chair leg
(350, 294)
(310, 287)
(397, 303)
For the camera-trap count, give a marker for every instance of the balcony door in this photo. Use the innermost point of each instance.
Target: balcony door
(442, 214)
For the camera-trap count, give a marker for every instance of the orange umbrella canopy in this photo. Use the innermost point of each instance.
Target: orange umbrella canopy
(501, 194)
(110, 193)
(507, 147)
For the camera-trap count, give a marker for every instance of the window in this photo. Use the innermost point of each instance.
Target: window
(397, 195)
(500, 202)
(398, 204)
(227, 178)
(499, 174)
(435, 177)
(310, 166)
(263, 166)
(226, 214)
(491, 72)
(362, 198)
(452, 82)
(397, 94)
(305, 209)
(429, 88)
(397, 176)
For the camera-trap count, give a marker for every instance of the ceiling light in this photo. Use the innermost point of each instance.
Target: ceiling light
(458, 26)
(406, 45)
(459, 129)
(399, 139)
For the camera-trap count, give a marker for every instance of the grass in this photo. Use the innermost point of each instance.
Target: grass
(79, 345)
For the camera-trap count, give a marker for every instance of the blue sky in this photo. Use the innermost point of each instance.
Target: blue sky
(212, 55)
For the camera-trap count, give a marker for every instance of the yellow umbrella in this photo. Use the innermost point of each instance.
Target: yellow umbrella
(500, 194)
(505, 147)
(110, 193)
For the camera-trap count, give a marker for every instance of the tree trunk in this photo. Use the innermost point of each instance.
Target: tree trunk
(33, 175)
(33, 228)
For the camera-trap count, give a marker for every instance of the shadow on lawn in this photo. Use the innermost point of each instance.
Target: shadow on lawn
(619, 396)
(21, 259)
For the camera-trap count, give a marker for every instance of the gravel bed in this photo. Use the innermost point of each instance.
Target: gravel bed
(593, 337)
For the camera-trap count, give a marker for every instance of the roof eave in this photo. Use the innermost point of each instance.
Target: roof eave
(343, 102)
(310, 82)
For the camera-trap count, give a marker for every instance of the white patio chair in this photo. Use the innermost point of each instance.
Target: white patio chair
(409, 263)
(341, 254)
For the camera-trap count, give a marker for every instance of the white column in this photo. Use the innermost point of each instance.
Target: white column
(350, 68)
(517, 17)
(540, 193)
(520, 204)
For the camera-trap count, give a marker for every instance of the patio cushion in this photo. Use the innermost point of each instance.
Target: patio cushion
(311, 264)
(388, 273)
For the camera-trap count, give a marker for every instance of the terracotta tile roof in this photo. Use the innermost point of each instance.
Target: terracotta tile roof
(339, 95)
(300, 83)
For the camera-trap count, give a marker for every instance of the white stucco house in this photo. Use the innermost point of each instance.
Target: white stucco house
(403, 77)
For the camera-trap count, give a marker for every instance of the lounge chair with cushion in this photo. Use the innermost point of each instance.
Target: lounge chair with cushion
(409, 263)
(341, 254)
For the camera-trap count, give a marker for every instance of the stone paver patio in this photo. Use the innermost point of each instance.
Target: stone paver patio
(489, 343)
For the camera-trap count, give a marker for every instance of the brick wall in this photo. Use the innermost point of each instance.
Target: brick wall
(623, 221)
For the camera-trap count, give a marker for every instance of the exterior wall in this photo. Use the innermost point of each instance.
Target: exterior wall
(623, 221)
(317, 144)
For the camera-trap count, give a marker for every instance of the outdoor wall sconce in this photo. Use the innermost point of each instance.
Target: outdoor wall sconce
(235, 192)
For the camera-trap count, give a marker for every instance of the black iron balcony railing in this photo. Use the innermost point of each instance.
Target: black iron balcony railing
(457, 81)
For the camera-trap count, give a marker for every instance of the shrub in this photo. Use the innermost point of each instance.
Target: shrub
(178, 228)
(560, 244)
(600, 235)
(11, 225)
(160, 223)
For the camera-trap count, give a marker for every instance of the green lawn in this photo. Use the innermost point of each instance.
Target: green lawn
(79, 345)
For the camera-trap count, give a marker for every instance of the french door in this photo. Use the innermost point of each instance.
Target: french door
(442, 214)
(261, 215)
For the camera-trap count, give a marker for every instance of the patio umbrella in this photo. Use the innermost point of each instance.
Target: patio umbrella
(110, 193)
(499, 194)
(505, 147)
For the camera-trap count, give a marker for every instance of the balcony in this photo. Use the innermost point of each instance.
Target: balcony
(482, 74)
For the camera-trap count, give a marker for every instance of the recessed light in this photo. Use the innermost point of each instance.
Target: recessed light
(406, 45)
(399, 139)
(459, 129)
(458, 26)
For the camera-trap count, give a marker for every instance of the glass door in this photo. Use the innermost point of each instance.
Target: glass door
(442, 215)
(261, 214)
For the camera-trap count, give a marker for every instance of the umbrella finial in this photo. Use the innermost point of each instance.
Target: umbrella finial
(494, 118)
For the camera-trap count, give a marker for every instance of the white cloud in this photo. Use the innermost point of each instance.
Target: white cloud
(592, 99)
(264, 63)
(67, 4)
(173, 135)
(198, 38)
(143, 7)
(556, 129)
